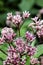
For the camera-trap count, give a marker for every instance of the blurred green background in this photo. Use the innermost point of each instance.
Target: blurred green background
(18, 5)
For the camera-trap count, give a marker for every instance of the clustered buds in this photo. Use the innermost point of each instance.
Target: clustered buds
(38, 26)
(26, 14)
(40, 33)
(30, 37)
(15, 54)
(7, 35)
(16, 19)
(14, 57)
(34, 61)
(19, 47)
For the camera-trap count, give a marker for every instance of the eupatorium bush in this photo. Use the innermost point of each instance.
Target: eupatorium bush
(20, 47)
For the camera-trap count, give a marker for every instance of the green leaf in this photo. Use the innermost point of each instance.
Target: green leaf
(28, 61)
(39, 2)
(4, 47)
(24, 27)
(1, 63)
(26, 4)
(34, 11)
(39, 51)
(33, 43)
(3, 56)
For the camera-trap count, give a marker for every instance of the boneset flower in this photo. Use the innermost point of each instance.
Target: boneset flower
(20, 45)
(13, 57)
(40, 33)
(37, 24)
(17, 55)
(26, 14)
(8, 34)
(29, 36)
(34, 61)
(17, 20)
(35, 19)
(30, 50)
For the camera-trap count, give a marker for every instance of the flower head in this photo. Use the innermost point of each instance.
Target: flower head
(40, 33)
(29, 36)
(13, 57)
(34, 60)
(30, 50)
(20, 45)
(17, 20)
(8, 34)
(26, 14)
(35, 19)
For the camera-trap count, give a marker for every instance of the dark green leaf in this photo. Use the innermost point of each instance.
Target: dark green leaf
(39, 2)
(26, 4)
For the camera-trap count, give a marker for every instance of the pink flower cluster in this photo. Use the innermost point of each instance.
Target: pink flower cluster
(30, 37)
(40, 33)
(20, 45)
(13, 58)
(8, 34)
(16, 19)
(26, 14)
(19, 48)
(34, 61)
(15, 54)
(30, 50)
(38, 26)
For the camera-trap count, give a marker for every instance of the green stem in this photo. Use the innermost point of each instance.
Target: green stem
(19, 30)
